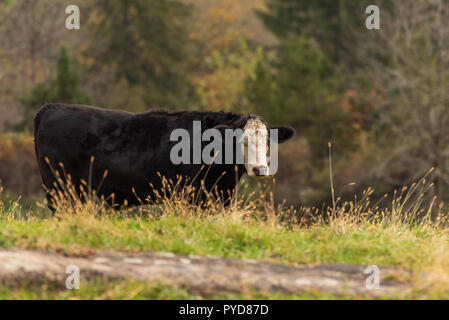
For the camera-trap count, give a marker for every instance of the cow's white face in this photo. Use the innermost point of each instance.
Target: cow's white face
(255, 148)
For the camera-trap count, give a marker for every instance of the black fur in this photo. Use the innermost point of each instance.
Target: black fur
(133, 148)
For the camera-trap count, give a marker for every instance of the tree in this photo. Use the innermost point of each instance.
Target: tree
(313, 85)
(64, 88)
(222, 87)
(144, 44)
(304, 90)
(329, 22)
(261, 92)
(30, 36)
(412, 66)
(219, 25)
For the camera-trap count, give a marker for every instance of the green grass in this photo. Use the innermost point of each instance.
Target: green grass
(408, 247)
(353, 233)
(420, 248)
(117, 290)
(135, 290)
(138, 290)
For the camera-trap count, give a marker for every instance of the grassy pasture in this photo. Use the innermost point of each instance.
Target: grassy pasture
(400, 235)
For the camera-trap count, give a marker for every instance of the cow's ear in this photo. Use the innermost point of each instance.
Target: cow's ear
(222, 127)
(285, 133)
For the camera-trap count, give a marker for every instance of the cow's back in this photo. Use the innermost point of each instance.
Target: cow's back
(118, 142)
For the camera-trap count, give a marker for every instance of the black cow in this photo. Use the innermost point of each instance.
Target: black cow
(135, 149)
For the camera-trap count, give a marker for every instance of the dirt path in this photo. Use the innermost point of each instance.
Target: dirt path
(202, 275)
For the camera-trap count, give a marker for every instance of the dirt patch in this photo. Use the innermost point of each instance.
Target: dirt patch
(199, 274)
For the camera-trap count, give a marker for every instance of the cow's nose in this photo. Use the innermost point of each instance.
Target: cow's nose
(260, 171)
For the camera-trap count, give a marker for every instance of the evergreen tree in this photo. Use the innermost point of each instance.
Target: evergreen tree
(261, 91)
(310, 92)
(146, 44)
(64, 88)
(305, 90)
(330, 22)
(307, 85)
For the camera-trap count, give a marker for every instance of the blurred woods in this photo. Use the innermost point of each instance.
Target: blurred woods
(380, 96)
